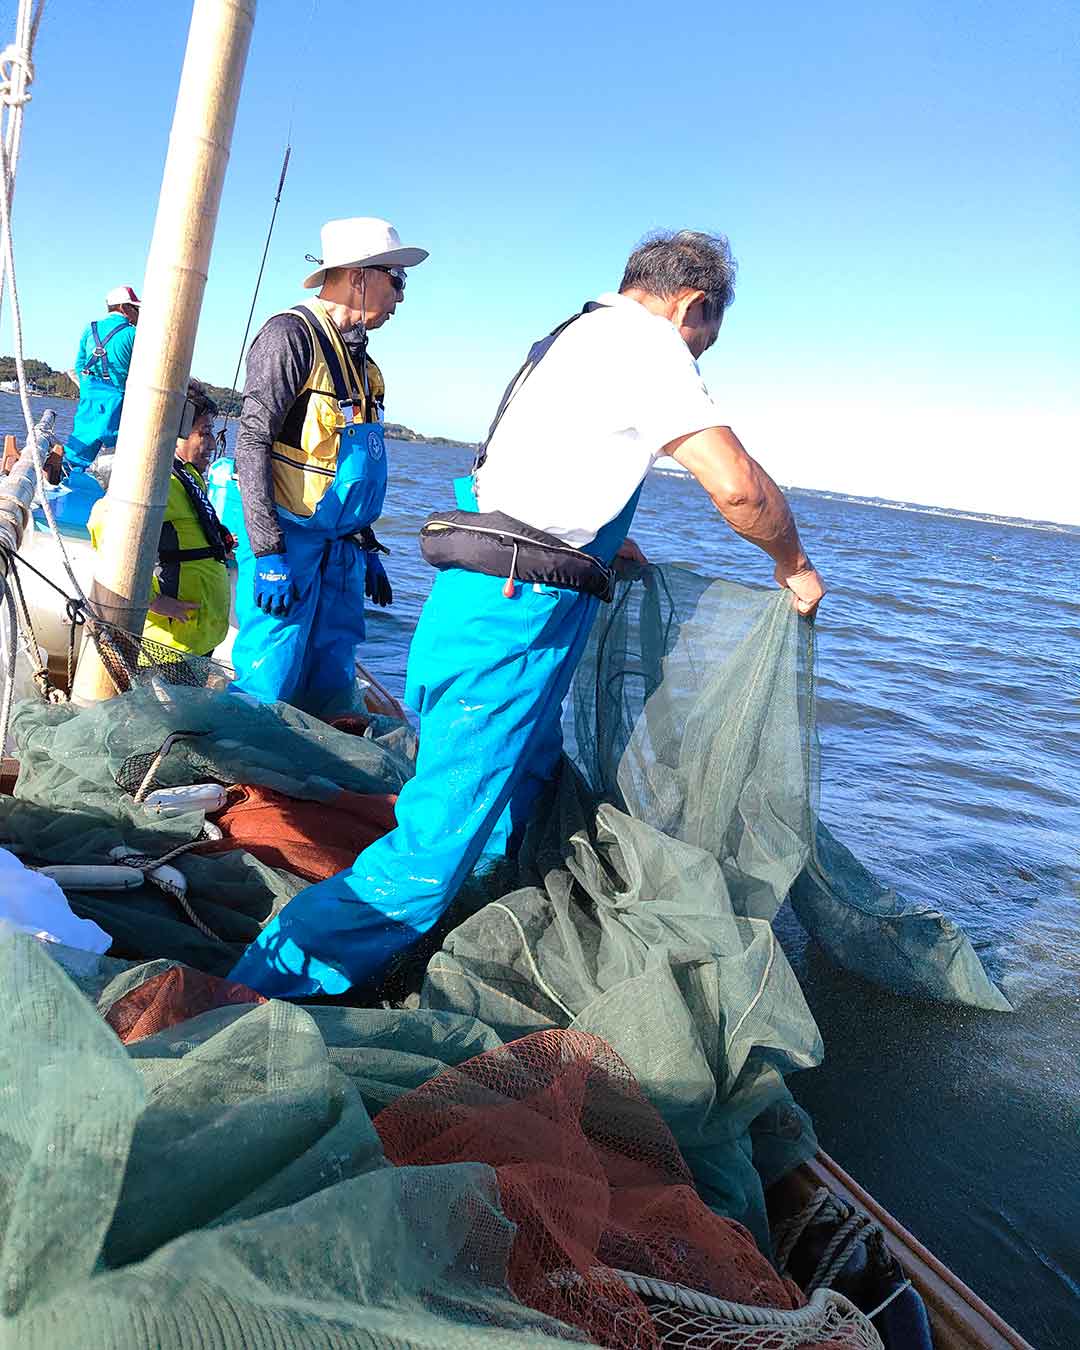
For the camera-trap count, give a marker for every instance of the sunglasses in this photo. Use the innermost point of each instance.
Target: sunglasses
(396, 275)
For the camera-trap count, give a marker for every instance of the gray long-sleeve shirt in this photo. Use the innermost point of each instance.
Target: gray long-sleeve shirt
(278, 366)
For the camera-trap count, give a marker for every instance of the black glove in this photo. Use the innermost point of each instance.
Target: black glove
(376, 583)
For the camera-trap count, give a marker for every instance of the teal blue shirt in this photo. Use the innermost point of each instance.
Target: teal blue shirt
(118, 349)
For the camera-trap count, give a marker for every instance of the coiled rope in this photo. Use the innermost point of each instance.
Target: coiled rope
(853, 1227)
(680, 1295)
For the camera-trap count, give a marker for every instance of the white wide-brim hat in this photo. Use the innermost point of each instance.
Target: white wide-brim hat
(122, 295)
(361, 241)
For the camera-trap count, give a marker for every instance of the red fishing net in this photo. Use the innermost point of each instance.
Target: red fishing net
(172, 997)
(313, 840)
(591, 1175)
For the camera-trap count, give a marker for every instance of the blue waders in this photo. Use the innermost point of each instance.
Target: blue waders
(308, 656)
(488, 676)
(97, 418)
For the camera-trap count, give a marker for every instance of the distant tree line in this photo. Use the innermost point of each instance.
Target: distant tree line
(54, 382)
(58, 384)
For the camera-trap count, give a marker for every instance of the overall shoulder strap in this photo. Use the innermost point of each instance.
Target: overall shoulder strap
(103, 342)
(100, 354)
(342, 391)
(216, 534)
(537, 352)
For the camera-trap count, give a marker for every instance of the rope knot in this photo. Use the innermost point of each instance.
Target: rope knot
(12, 59)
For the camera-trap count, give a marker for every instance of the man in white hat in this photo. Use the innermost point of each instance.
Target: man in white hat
(311, 466)
(101, 370)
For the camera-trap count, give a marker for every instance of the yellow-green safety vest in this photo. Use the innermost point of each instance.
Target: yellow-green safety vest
(203, 580)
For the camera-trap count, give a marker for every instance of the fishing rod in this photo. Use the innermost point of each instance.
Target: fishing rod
(255, 296)
(222, 434)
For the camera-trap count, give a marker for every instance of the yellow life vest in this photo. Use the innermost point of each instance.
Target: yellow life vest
(203, 580)
(304, 458)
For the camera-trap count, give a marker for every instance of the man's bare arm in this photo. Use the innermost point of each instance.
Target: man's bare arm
(752, 505)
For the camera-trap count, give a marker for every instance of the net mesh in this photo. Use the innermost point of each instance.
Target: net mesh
(219, 1186)
(203, 1165)
(171, 997)
(74, 802)
(131, 661)
(591, 1176)
(693, 711)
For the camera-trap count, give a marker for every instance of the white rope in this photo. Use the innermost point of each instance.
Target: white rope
(854, 1227)
(16, 73)
(900, 1289)
(14, 95)
(663, 1291)
(16, 76)
(10, 646)
(787, 1234)
(541, 983)
(839, 1251)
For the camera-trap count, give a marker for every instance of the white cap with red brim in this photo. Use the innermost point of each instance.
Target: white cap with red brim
(122, 295)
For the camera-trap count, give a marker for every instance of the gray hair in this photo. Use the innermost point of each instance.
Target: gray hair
(671, 261)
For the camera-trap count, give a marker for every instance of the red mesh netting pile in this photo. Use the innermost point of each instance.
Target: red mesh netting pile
(591, 1175)
(170, 998)
(312, 840)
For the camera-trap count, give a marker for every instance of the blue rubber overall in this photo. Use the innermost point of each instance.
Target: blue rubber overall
(102, 382)
(488, 675)
(308, 656)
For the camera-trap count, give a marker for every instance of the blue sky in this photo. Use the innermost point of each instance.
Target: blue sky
(899, 184)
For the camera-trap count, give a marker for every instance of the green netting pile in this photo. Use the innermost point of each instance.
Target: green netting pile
(220, 1186)
(226, 1169)
(69, 806)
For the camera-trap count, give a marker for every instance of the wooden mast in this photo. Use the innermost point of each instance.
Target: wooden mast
(172, 300)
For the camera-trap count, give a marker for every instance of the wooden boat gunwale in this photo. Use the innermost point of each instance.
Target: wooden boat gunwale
(959, 1319)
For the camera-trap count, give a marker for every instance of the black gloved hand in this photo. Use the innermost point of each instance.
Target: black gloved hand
(377, 586)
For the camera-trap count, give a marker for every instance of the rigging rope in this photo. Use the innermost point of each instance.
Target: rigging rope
(16, 74)
(851, 1228)
(16, 77)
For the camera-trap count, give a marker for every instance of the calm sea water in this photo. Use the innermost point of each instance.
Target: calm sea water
(949, 678)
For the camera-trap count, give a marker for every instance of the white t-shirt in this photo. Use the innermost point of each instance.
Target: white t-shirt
(586, 426)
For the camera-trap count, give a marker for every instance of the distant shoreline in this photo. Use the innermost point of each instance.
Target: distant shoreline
(58, 384)
(933, 509)
(396, 432)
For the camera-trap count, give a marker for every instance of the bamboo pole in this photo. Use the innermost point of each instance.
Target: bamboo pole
(175, 279)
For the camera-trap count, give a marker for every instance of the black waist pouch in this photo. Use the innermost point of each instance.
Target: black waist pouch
(500, 546)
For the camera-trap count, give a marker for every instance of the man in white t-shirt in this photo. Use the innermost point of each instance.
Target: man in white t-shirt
(491, 661)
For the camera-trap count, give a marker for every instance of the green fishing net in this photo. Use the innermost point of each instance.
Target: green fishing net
(80, 770)
(226, 1169)
(221, 1186)
(694, 712)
